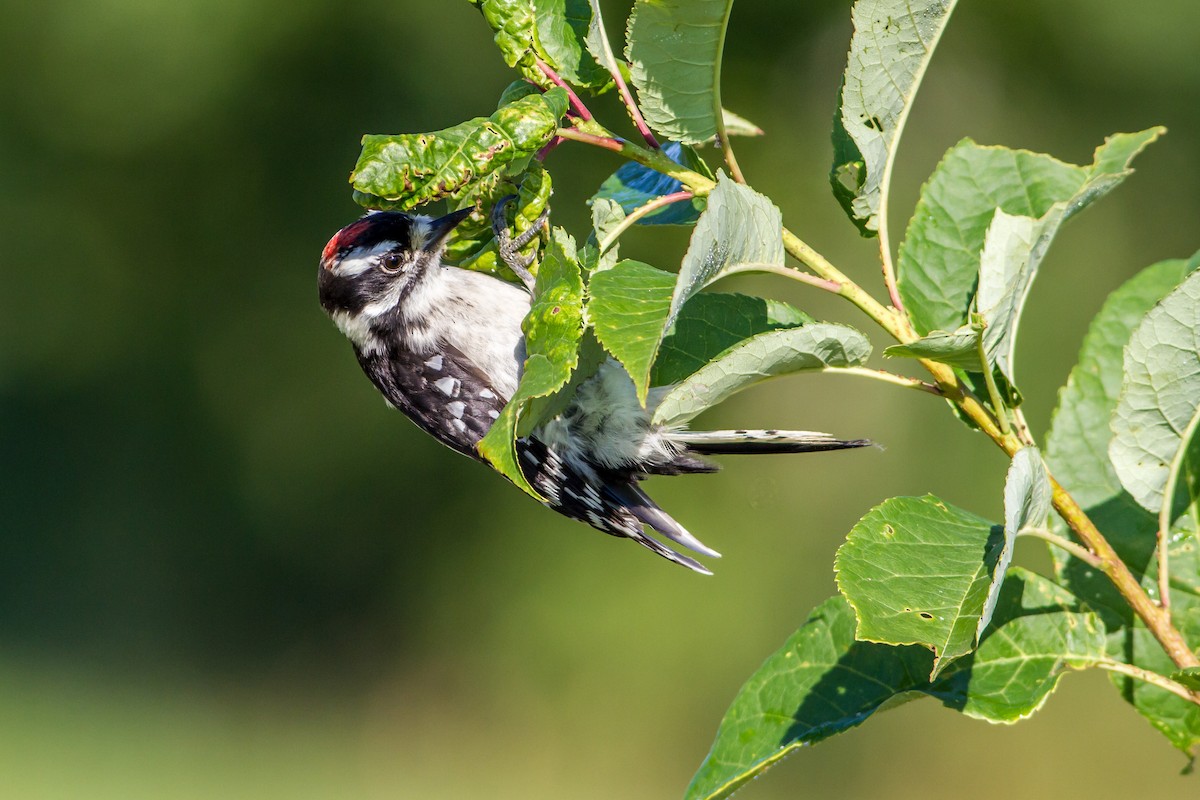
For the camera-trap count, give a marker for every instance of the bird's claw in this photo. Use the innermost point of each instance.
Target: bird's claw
(509, 246)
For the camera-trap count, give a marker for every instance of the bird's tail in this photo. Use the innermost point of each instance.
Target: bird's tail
(632, 499)
(712, 443)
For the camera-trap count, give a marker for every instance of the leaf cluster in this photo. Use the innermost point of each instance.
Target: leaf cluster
(930, 603)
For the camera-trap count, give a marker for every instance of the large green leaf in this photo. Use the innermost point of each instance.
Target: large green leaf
(1015, 245)
(1026, 505)
(674, 51)
(628, 306)
(815, 347)
(738, 230)
(553, 31)
(892, 44)
(823, 681)
(411, 169)
(917, 571)
(820, 683)
(1158, 412)
(1038, 632)
(938, 266)
(712, 322)
(1076, 449)
(553, 331)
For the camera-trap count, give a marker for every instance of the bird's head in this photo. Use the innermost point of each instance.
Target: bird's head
(373, 264)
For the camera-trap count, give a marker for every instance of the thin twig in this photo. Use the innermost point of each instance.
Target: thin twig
(577, 105)
(1164, 514)
(640, 212)
(887, 377)
(993, 391)
(1077, 550)
(1153, 678)
(606, 142)
(787, 272)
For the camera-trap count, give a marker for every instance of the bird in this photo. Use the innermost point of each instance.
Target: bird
(444, 345)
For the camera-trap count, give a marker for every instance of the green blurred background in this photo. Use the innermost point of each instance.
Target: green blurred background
(227, 570)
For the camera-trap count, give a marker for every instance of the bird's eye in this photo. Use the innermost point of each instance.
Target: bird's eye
(390, 263)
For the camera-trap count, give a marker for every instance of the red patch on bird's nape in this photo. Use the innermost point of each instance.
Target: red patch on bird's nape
(344, 239)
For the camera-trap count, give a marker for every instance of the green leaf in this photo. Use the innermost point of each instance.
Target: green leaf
(597, 41)
(1026, 505)
(1075, 448)
(628, 308)
(674, 52)
(1038, 633)
(891, 47)
(823, 681)
(739, 229)
(815, 347)
(411, 169)
(938, 266)
(553, 330)
(606, 216)
(551, 30)
(1189, 677)
(712, 322)
(917, 571)
(736, 125)
(820, 683)
(1158, 411)
(958, 348)
(1014, 246)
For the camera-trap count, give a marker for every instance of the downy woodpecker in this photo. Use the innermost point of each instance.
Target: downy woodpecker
(444, 345)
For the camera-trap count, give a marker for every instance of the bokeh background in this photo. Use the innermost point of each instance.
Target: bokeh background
(227, 570)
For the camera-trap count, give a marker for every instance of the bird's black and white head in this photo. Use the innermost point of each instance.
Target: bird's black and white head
(372, 270)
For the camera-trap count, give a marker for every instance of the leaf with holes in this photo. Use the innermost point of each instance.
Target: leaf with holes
(917, 571)
(553, 331)
(411, 169)
(892, 44)
(819, 346)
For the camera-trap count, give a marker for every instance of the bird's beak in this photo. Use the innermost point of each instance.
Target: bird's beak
(440, 228)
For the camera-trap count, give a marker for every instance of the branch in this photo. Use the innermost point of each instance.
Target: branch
(576, 104)
(1153, 678)
(1082, 553)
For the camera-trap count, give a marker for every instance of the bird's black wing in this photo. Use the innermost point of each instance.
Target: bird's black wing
(442, 393)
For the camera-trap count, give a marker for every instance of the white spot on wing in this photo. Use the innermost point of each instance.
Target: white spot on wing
(487, 394)
(448, 387)
(494, 414)
(435, 363)
(456, 408)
